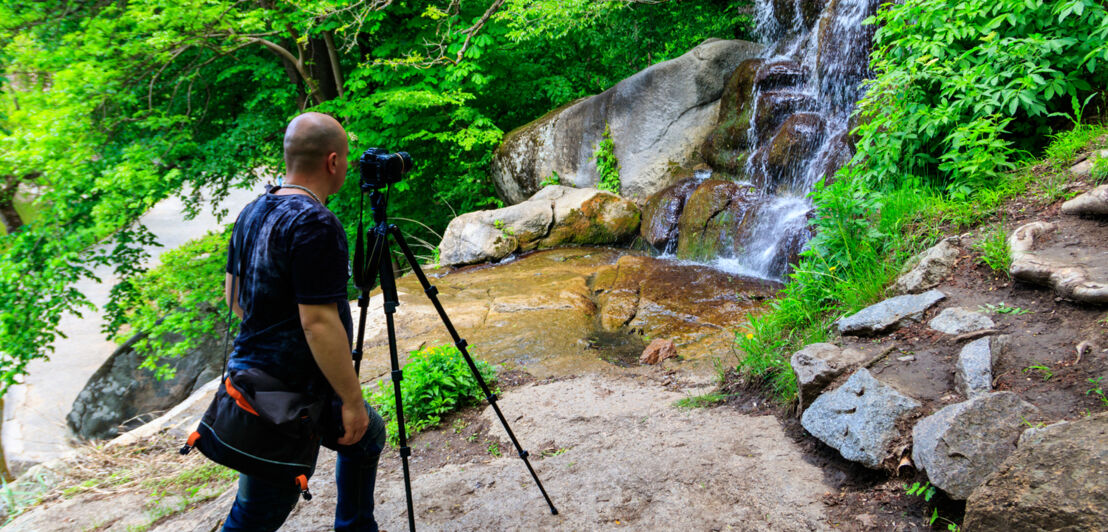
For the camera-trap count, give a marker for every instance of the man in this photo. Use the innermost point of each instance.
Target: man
(296, 324)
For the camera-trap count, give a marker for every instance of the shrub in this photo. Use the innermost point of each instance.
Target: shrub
(606, 163)
(436, 381)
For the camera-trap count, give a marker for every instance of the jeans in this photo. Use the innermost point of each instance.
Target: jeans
(263, 506)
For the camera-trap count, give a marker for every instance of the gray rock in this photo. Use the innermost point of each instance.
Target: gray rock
(1053, 481)
(963, 443)
(859, 418)
(927, 269)
(120, 393)
(658, 118)
(818, 364)
(888, 314)
(1091, 203)
(975, 368)
(492, 235)
(1077, 272)
(1084, 167)
(958, 320)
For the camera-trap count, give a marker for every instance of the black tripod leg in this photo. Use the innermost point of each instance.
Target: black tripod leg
(432, 294)
(388, 289)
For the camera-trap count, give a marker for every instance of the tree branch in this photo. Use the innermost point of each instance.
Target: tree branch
(336, 68)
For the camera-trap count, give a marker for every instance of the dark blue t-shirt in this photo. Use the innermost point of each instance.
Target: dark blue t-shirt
(286, 250)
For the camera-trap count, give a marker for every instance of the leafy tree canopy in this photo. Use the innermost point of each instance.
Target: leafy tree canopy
(106, 107)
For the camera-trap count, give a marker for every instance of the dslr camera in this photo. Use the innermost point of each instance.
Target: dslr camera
(379, 168)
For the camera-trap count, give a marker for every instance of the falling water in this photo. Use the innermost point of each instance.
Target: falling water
(817, 64)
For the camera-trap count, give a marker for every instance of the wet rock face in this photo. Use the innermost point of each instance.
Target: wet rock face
(657, 117)
(786, 15)
(120, 391)
(859, 419)
(662, 212)
(724, 148)
(779, 74)
(794, 143)
(774, 107)
(963, 443)
(844, 48)
(714, 214)
(1053, 481)
(888, 314)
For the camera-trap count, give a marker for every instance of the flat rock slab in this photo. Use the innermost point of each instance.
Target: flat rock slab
(1055, 480)
(888, 314)
(1070, 256)
(859, 418)
(961, 444)
(1091, 203)
(927, 269)
(958, 320)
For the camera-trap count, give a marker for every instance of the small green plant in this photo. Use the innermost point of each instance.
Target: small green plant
(499, 225)
(552, 179)
(927, 491)
(459, 425)
(1097, 390)
(701, 401)
(1044, 371)
(436, 381)
(1002, 308)
(1099, 173)
(547, 453)
(606, 163)
(994, 249)
(493, 449)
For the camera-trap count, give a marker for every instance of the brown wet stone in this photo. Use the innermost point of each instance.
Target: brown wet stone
(538, 312)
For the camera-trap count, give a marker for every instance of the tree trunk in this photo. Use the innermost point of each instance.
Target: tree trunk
(8, 214)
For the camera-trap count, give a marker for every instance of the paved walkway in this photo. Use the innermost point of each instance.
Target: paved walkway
(34, 427)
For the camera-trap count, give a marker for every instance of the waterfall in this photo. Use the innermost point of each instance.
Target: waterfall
(803, 91)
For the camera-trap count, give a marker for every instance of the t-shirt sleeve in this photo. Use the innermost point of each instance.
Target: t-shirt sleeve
(320, 265)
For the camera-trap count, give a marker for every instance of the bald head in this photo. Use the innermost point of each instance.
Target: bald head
(310, 139)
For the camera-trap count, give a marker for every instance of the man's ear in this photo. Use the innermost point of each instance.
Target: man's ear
(332, 163)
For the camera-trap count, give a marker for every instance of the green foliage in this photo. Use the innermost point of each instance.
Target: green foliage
(1097, 390)
(1002, 308)
(607, 166)
(1044, 371)
(109, 107)
(436, 381)
(994, 249)
(701, 401)
(175, 305)
(925, 490)
(961, 86)
(552, 179)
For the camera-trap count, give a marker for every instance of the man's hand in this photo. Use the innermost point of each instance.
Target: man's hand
(355, 421)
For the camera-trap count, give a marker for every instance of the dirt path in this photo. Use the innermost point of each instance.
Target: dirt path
(618, 454)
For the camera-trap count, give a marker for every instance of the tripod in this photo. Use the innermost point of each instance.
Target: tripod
(379, 265)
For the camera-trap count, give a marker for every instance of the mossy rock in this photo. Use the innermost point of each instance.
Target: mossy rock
(601, 219)
(662, 213)
(724, 149)
(713, 215)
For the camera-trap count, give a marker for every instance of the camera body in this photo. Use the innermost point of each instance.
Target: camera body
(379, 168)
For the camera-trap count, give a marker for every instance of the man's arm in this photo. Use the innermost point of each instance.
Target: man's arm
(228, 284)
(327, 339)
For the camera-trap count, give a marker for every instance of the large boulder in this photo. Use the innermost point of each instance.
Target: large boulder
(963, 443)
(1073, 263)
(888, 314)
(120, 394)
(662, 212)
(1055, 480)
(927, 269)
(555, 216)
(859, 419)
(587, 216)
(818, 364)
(782, 161)
(658, 117)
